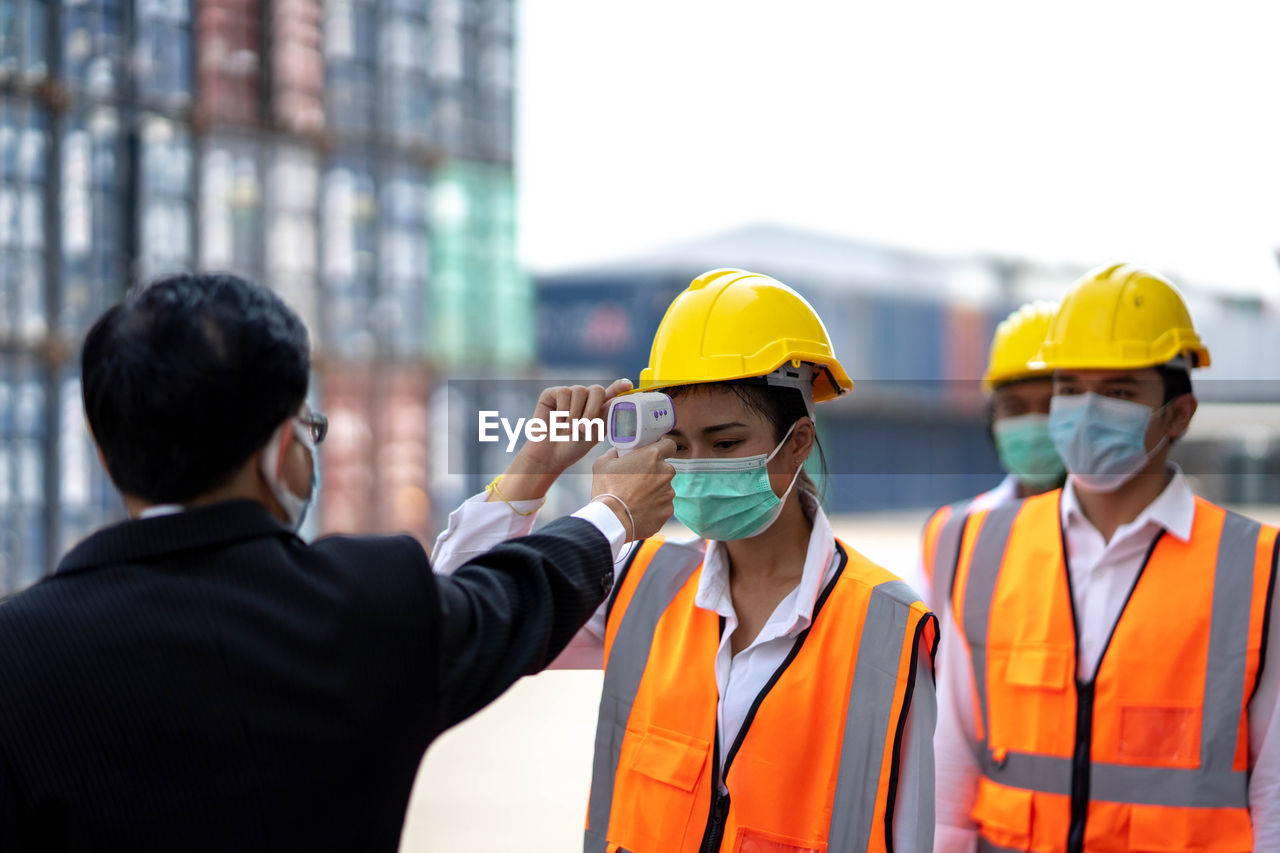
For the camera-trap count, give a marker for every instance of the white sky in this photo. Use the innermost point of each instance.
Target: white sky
(1074, 132)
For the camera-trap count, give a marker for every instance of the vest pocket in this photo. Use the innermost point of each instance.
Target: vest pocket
(1169, 736)
(658, 772)
(671, 757)
(1160, 829)
(1003, 814)
(756, 841)
(1043, 667)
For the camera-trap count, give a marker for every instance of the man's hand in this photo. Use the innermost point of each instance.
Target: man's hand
(538, 463)
(641, 479)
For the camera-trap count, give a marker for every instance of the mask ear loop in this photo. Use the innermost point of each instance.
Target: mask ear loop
(799, 468)
(1164, 439)
(769, 458)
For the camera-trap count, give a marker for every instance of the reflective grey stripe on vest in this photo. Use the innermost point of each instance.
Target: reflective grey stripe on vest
(946, 552)
(668, 571)
(867, 715)
(1121, 783)
(1212, 785)
(984, 570)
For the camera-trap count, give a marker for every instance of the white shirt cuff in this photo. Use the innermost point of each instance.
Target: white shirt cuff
(599, 514)
(477, 526)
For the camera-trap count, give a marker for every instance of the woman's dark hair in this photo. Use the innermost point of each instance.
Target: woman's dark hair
(187, 379)
(779, 405)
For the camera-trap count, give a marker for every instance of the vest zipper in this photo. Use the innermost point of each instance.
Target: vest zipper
(713, 836)
(1080, 767)
(1082, 755)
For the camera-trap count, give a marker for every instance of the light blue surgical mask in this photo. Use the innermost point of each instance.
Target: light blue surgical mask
(1102, 440)
(728, 499)
(1027, 451)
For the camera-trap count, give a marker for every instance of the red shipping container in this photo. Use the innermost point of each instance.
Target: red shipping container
(375, 462)
(964, 354)
(297, 65)
(229, 41)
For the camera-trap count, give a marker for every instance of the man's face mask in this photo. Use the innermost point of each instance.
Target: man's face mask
(1102, 440)
(1027, 451)
(728, 499)
(272, 466)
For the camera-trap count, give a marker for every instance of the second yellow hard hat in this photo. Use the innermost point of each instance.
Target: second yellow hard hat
(1120, 317)
(1016, 343)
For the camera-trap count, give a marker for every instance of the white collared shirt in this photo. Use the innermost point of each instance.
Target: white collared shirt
(1005, 491)
(741, 677)
(1103, 572)
(1102, 575)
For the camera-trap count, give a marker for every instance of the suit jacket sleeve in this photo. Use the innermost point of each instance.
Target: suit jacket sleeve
(511, 611)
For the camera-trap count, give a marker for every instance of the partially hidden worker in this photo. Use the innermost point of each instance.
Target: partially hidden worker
(1108, 678)
(766, 687)
(1018, 421)
(198, 678)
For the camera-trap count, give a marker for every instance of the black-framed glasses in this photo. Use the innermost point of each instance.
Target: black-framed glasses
(317, 424)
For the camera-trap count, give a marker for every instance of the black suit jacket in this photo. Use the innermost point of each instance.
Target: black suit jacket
(207, 681)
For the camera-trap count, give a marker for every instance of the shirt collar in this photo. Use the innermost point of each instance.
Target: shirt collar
(160, 510)
(713, 585)
(1174, 509)
(1003, 493)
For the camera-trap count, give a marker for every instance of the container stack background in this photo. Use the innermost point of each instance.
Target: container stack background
(354, 155)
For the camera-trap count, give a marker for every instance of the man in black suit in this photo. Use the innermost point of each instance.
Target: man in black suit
(199, 678)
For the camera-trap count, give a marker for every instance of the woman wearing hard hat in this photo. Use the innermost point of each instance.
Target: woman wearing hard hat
(766, 686)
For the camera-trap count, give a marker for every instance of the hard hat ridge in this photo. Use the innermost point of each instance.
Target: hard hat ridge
(733, 324)
(1117, 317)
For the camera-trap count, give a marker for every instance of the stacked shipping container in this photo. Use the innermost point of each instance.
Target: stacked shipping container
(297, 142)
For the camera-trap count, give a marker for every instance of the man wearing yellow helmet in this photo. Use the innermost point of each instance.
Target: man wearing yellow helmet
(766, 687)
(1018, 414)
(1119, 700)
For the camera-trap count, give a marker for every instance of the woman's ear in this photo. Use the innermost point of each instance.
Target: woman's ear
(802, 440)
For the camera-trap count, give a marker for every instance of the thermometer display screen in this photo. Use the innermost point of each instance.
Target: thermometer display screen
(624, 422)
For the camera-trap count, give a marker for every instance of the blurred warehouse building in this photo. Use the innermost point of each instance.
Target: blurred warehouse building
(355, 155)
(913, 331)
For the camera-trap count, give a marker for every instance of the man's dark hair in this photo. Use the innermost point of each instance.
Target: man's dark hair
(187, 378)
(1177, 381)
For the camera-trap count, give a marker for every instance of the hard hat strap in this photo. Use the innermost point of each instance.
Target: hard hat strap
(798, 377)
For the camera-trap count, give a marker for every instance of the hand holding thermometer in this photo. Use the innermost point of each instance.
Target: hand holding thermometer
(639, 419)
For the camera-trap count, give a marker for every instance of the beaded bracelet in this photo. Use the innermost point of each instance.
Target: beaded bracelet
(492, 488)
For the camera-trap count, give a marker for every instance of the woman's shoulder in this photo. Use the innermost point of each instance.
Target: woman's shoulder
(863, 571)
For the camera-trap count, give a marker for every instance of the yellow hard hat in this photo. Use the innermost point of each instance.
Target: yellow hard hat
(734, 324)
(1016, 342)
(1117, 318)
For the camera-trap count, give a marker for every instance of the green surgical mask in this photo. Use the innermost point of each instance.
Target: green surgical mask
(728, 499)
(1027, 451)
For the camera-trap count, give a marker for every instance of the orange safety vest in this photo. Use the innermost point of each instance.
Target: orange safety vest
(815, 766)
(1153, 753)
(941, 548)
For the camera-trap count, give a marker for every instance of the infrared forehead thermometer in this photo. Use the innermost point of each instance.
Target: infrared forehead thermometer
(639, 419)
